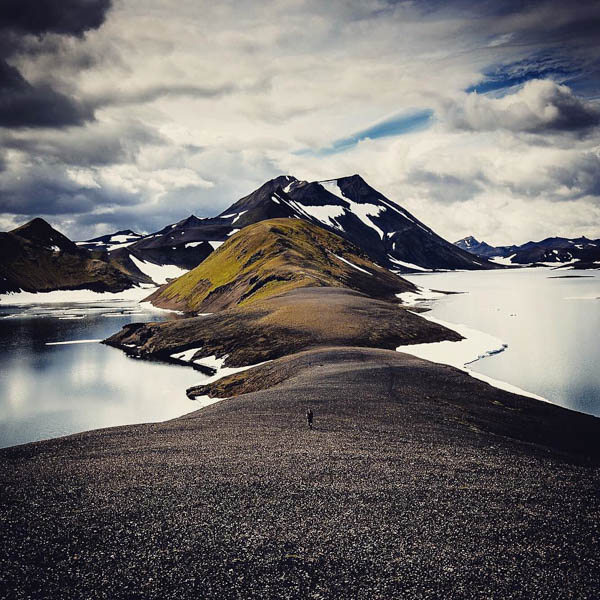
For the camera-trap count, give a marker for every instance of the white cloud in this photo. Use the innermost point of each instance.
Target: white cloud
(196, 107)
(540, 105)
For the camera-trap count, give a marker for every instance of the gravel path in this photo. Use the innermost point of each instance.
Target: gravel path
(417, 482)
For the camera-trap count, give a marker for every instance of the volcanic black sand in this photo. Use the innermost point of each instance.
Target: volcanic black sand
(417, 481)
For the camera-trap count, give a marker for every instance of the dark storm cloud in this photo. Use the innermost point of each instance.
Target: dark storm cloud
(562, 38)
(50, 191)
(540, 107)
(91, 146)
(70, 17)
(581, 177)
(23, 104)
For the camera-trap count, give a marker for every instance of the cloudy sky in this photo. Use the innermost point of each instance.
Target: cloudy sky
(479, 116)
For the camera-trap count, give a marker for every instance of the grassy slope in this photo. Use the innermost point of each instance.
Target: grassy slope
(273, 257)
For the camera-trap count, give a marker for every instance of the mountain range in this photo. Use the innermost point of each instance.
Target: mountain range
(36, 257)
(580, 253)
(349, 207)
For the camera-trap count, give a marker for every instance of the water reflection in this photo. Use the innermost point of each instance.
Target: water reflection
(550, 324)
(48, 391)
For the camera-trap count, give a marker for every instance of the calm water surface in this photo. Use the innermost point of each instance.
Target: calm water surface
(51, 390)
(550, 323)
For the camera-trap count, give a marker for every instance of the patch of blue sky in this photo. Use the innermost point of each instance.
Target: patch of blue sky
(501, 79)
(398, 124)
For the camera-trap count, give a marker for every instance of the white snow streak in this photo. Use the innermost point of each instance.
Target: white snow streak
(503, 260)
(407, 264)
(325, 214)
(362, 211)
(186, 355)
(77, 296)
(238, 216)
(351, 264)
(158, 273)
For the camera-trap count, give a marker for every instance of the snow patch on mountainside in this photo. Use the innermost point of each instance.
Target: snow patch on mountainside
(332, 187)
(325, 214)
(77, 296)
(351, 264)
(158, 273)
(238, 216)
(365, 211)
(408, 265)
(362, 211)
(503, 260)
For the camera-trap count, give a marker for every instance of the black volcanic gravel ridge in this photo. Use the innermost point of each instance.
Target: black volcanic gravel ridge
(410, 486)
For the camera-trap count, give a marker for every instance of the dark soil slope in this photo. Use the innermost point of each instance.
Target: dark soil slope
(281, 325)
(417, 482)
(37, 258)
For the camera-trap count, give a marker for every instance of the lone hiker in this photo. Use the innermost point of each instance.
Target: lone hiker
(309, 417)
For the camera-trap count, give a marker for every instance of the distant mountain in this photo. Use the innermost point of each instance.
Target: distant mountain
(38, 258)
(576, 252)
(112, 241)
(349, 207)
(184, 244)
(188, 242)
(472, 245)
(273, 257)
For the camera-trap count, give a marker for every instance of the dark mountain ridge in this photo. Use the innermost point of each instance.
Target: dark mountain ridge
(38, 258)
(348, 206)
(387, 232)
(111, 241)
(580, 253)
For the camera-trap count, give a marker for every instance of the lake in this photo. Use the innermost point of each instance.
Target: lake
(49, 390)
(548, 322)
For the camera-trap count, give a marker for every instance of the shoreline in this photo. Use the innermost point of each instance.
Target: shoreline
(84, 296)
(415, 475)
(477, 345)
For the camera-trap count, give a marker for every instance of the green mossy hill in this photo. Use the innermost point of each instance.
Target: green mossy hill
(37, 258)
(274, 257)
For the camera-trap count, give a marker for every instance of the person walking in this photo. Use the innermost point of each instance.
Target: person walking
(309, 418)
